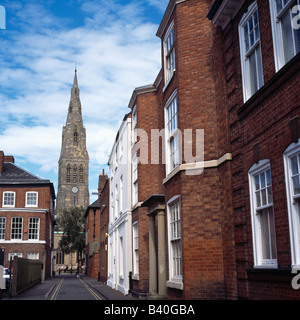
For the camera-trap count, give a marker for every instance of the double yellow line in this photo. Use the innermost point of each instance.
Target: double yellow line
(54, 296)
(90, 290)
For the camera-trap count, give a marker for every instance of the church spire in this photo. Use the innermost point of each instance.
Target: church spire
(75, 83)
(75, 88)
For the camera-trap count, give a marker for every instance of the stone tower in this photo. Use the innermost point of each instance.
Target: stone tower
(73, 175)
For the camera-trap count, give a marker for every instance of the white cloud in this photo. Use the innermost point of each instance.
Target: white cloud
(116, 50)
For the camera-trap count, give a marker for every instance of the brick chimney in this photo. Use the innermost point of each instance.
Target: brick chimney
(102, 179)
(1, 161)
(9, 159)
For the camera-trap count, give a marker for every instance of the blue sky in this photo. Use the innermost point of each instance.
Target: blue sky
(116, 48)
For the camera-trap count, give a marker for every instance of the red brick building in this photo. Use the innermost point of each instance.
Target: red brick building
(26, 214)
(147, 175)
(104, 219)
(187, 224)
(96, 232)
(257, 87)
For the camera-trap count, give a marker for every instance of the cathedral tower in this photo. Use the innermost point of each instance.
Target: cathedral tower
(73, 175)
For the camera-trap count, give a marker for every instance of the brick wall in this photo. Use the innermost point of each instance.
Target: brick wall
(258, 129)
(46, 219)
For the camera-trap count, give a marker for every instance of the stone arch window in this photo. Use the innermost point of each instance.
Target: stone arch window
(68, 173)
(75, 174)
(81, 174)
(75, 137)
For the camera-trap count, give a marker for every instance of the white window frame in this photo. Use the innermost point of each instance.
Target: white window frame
(121, 257)
(169, 54)
(27, 195)
(2, 228)
(259, 262)
(245, 53)
(12, 254)
(175, 268)
(135, 184)
(172, 134)
(20, 229)
(37, 228)
(112, 208)
(292, 203)
(121, 195)
(135, 248)
(134, 126)
(277, 31)
(33, 255)
(14, 200)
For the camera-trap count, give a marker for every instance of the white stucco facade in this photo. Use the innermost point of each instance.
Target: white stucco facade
(120, 221)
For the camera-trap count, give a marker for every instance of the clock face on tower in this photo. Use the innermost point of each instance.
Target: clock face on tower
(74, 189)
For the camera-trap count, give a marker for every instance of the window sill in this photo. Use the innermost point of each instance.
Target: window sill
(175, 284)
(169, 81)
(136, 277)
(273, 85)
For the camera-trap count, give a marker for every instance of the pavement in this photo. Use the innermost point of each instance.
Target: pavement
(106, 291)
(42, 291)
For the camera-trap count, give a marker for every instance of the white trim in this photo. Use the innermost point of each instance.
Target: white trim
(244, 55)
(168, 77)
(174, 281)
(259, 262)
(293, 217)
(198, 165)
(5, 205)
(37, 199)
(25, 210)
(276, 24)
(23, 241)
(175, 134)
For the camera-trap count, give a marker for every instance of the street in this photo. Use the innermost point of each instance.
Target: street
(73, 288)
(70, 287)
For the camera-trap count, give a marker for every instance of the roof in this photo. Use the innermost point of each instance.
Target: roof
(13, 174)
(95, 204)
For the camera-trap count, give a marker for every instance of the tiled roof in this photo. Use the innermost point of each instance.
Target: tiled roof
(14, 174)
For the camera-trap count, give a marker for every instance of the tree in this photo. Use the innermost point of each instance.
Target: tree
(71, 222)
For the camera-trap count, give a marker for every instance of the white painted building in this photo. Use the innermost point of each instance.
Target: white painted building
(120, 221)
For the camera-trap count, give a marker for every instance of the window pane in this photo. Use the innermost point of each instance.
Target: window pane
(268, 234)
(259, 68)
(263, 180)
(270, 195)
(296, 184)
(287, 37)
(265, 235)
(253, 73)
(279, 5)
(263, 197)
(257, 183)
(258, 200)
(2, 228)
(31, 198)
(294, 165)
(9, 199)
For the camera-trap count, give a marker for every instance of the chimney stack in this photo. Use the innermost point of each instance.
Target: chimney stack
(102, 179)
(9, 159)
